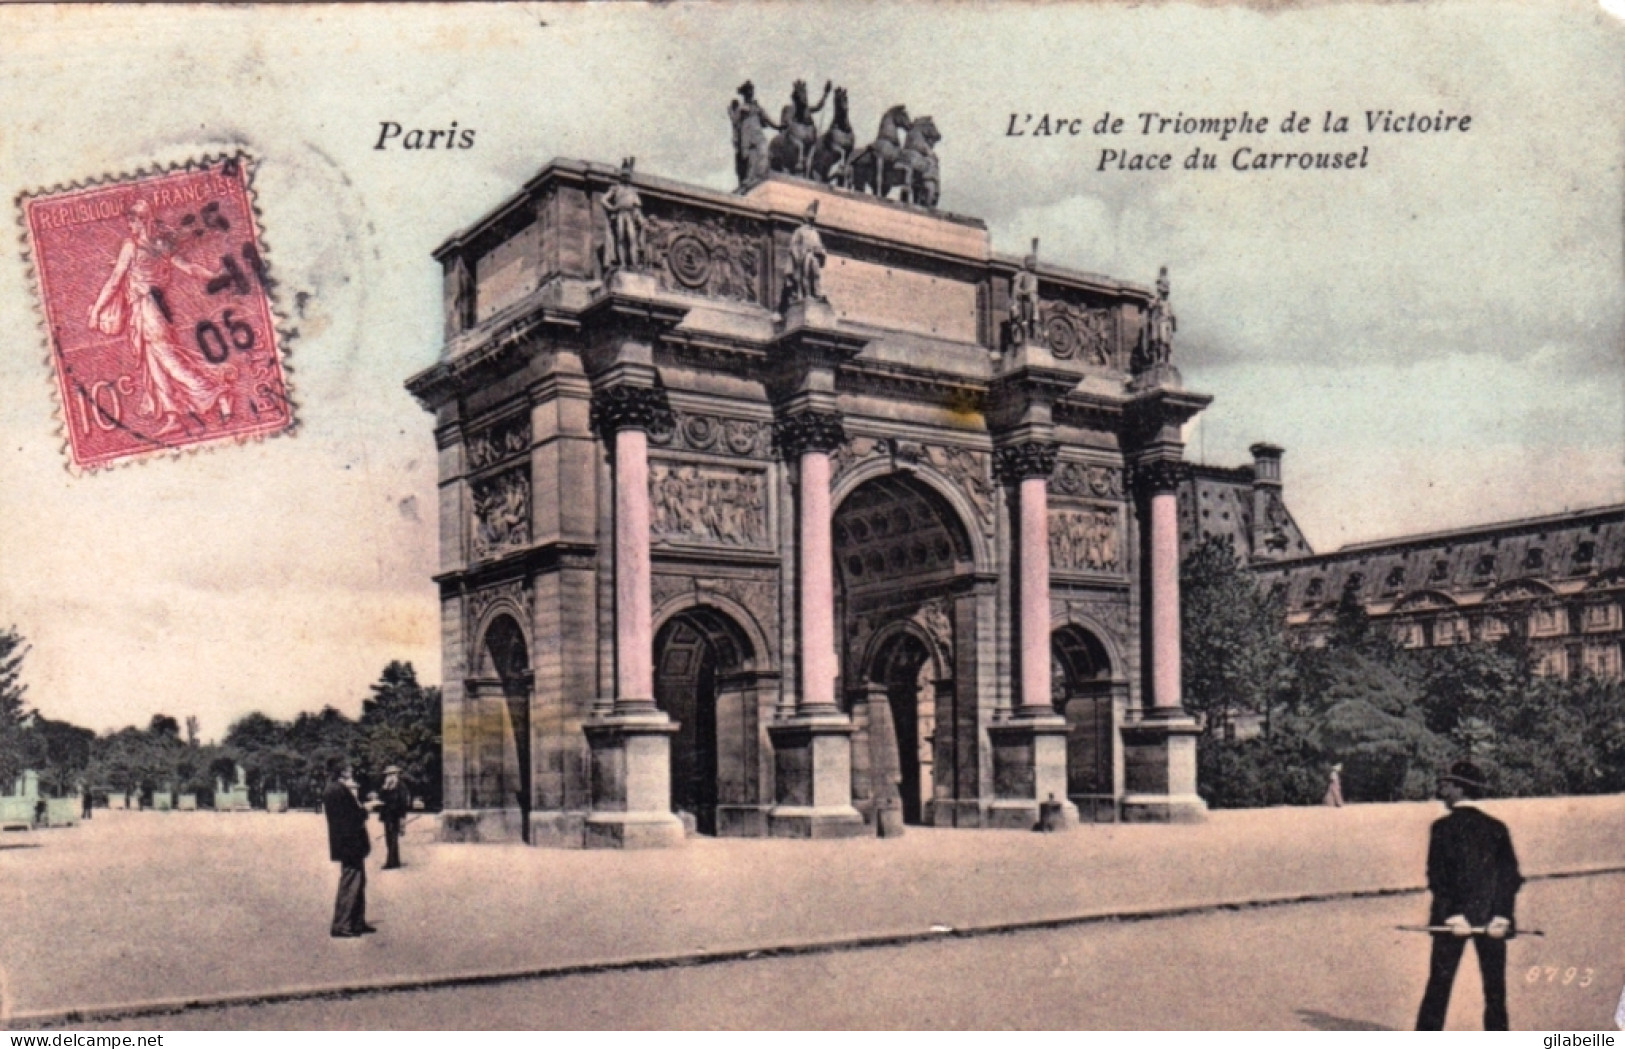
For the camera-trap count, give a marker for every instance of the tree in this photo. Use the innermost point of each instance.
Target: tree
(13, 715)
(1234, 652)
(401, 726)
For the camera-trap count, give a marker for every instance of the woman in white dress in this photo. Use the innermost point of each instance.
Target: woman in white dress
(175, 381)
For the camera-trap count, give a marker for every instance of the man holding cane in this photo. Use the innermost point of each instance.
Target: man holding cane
(1473, 875)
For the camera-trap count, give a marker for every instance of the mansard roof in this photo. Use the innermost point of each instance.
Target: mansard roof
(1554, 554)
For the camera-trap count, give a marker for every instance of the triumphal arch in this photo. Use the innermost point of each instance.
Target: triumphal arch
(798, 511)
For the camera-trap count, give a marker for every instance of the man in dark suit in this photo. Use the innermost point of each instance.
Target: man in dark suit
(348, 844)
(394, 800)
(1473, 875)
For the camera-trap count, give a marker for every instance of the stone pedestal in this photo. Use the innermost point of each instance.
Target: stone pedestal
(813, 765)
(631, 783)
(1029, 768)
(1159, 771)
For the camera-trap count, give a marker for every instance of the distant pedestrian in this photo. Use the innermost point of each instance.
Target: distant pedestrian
(1334, 788)
(1473, 875)
(394, 800)
(85, 804)
(348, 845)
(41, 813)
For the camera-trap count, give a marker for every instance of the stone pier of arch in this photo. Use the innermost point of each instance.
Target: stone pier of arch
(713, 564)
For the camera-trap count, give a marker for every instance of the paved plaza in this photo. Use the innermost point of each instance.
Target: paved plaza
(136, 911)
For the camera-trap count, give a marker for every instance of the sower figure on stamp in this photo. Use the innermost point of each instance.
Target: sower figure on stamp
(348, 846)
(394, 800)
(1473, 875)
(136, 302)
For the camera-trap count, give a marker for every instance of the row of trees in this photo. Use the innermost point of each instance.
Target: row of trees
(399, 725)
(1391, 716)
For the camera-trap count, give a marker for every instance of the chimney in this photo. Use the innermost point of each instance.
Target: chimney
(1266, 465)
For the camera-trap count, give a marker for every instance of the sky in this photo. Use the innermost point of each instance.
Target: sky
(1435, 338)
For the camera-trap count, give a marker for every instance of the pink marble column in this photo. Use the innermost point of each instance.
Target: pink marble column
(1165, 601)
(1033, 509)
(817, 586)
(634, 637)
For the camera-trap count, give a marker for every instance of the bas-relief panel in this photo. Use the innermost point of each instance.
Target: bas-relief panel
(711, 255)
(1085, 540)
(500, 521)
(715, 505)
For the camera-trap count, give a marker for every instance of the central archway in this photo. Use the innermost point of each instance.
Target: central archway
(904, 570)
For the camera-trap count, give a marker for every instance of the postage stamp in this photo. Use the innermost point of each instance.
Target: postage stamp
(156, 296)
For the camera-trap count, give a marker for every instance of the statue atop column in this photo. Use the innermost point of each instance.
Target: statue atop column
(750, 141)
(1024, 300)
(623, 214)
(792, 148)
(805, 281)
(1158, 343)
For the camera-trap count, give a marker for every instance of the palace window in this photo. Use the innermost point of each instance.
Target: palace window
(1585, 556)
(1552, 663)
(1317, 586)
(1396, 578)
(1485, 566)
(1547, 622)
(1441, 571)
(1534, 560)
(1494, 628)
(1410, 635)
(1451, 630)
(1600, 617)
(1603, 661)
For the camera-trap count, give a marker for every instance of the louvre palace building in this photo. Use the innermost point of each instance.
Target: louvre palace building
(1557, 581)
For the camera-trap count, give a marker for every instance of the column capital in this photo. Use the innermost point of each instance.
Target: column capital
(808, 431)
(1017, 462)
(629, 407)
(1159, 475)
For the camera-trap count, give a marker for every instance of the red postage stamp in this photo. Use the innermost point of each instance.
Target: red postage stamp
(156, 295)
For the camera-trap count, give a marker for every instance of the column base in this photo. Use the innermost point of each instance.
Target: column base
(631, 782)
(1163, 808)
(1029, 771)
(813, 764)
(1159, 770)
(632, 830)
(480, 825)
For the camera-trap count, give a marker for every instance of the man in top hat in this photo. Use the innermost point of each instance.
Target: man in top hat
(394, 800)
(1473, 875)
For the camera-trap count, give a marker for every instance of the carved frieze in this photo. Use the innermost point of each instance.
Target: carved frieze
(1075, 333)
(717, 434)
(933, 618)
(1110, 611)
(499, 441)
(1087, 480)
(757, 596)
(712, 255)
(707, 504)
(967, 469)
(514, 592)
(501, 513)
(1085, 540)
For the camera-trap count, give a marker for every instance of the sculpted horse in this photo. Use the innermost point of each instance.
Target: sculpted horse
(831, 158)
(792, 148)
(873, 165)
(917, 170)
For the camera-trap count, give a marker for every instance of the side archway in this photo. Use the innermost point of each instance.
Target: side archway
(707, 680)
(500, 695)
(1084, 691)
